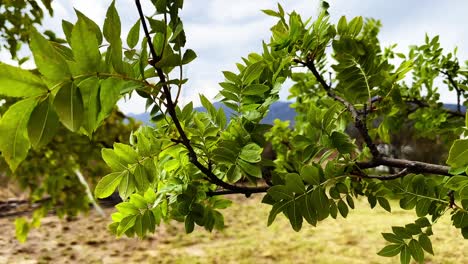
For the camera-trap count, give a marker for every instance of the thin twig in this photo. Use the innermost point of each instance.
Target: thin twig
(412, 166)
(211, 177)
(455, 86)
(387, 177)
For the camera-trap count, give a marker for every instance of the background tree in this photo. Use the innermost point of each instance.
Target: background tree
(50, 175)
(180, 168)
(17, 19)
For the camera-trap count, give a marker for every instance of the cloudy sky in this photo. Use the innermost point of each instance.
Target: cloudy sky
(222, 31)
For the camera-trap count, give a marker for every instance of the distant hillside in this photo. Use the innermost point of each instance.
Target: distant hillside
(454, 107)
(280, 110)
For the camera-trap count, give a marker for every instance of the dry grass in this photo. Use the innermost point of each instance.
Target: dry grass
(245, 240)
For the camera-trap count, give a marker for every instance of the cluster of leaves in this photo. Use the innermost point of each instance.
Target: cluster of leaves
(49, 177)
(177, 169)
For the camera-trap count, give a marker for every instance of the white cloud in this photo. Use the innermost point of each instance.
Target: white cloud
(221, 32)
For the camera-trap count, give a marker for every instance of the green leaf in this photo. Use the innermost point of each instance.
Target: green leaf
(141, 178)
(295, 216)
(308, 210)
(90, 88)
(342, 26)
(456, 182)
(466, 120)
(140, 229)
(401, 232)
(189, 56)
(343, 208)
(355, 25)
(67, 28)
(112, 160)
(390, 250)
(139, 201)
(350, 201)
(405, 255)
(133, 35)
(107, 185)
(126, 223)
(112, 24)
(280, 192)
(189, 224)
(49, 63)
(408, 202)
(251, 153)
(232, 77)
(148, 221)
(294, 183)
(416, 250)
(422, 222)
(127, 208)
(341, 142)
(43, 124)
(422, 207)
(310, 174)
(392, 238)
(271, 12)
(21, 229)
(321, 203)
(221, 203)
(255, 89)
(276, 209)
(458, 155)
(250, 169)
(234, 173)
(464, 232)
(126, 153)
(85, 48)
(14, 141)
(109, 94)
(425, 243)
(69, 106)
(127, 185)
(16, 82)
(91, 24)
(252, 72)
(112, 31)
(384, 203)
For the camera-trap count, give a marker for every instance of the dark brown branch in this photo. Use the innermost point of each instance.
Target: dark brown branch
(226, 192)
(184, 139)
(411, 166)
(400, 174)
(358, 121)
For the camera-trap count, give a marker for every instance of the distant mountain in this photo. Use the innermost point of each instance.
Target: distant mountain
(454, 107)
(280, 110)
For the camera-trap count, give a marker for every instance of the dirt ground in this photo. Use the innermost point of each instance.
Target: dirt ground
(246, 239)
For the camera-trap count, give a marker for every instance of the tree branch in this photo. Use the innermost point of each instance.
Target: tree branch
(455, 86)
(400, 174)
(211, 177)
(226, 192)
(410, 165)
(358, 121)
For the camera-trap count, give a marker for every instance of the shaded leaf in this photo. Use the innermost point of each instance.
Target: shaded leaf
(43, 124)
(69, 106)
